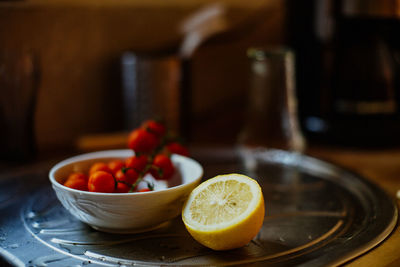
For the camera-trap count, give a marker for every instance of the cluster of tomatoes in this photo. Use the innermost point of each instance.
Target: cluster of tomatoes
(152, 144)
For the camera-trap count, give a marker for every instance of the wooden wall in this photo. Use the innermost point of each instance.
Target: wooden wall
(79, 44)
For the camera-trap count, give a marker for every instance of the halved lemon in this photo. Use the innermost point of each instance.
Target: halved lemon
(225, 212)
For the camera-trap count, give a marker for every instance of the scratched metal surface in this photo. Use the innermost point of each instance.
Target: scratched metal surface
(317, 214)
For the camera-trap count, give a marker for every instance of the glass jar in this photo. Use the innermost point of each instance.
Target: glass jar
(271, 119)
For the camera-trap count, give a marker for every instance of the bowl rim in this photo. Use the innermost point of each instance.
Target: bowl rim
(112, 154)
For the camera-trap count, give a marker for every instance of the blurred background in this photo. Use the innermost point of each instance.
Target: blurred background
(347, 55)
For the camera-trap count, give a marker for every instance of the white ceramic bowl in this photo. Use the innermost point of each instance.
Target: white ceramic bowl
(124, 212)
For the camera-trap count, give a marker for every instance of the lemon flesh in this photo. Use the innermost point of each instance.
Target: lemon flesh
(225, 212)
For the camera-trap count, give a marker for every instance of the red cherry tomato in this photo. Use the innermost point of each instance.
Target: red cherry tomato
(99, 166)
(142, 141)
(122, 188)
(77, 175)
(178, 148)
(77, 181)
(116, 165)
(101, 181)
(138, 163)
(127, 175)
(144, 190)
(155, 127)
(162, 167)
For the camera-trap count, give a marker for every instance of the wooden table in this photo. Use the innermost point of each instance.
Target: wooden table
(382, 167)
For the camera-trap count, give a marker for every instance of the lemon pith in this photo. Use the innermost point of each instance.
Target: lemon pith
(225, 212)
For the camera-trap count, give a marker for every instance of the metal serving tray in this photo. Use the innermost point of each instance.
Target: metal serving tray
(317, 214)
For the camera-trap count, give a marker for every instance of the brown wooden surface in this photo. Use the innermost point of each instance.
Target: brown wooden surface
(383, 168)
(79, 44)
